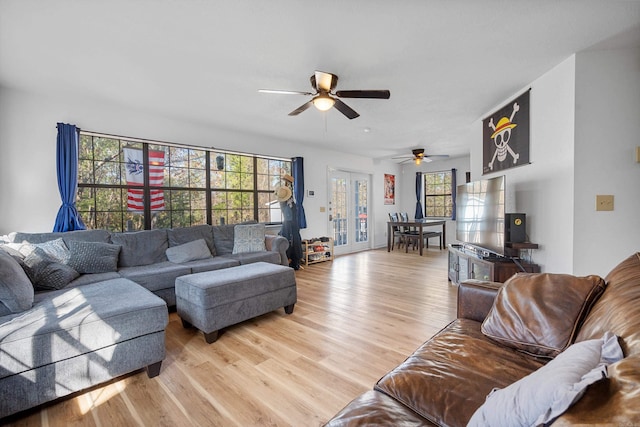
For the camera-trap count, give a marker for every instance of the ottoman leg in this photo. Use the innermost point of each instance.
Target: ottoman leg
(211, 337)
(288, 308)
(186, 324)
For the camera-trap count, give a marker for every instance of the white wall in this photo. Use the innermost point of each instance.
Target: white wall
(544, 189)
(607, 133)
(28, 187)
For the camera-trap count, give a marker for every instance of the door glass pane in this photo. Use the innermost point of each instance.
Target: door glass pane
(361, 220)
(339, 212)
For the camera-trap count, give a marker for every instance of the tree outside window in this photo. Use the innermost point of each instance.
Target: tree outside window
(438, 194)
(186, 185)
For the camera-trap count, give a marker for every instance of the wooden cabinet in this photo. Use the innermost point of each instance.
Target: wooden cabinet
(317, 251)
(465, 265)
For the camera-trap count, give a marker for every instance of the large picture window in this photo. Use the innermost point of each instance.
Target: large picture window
(128, 184)
(438, 198)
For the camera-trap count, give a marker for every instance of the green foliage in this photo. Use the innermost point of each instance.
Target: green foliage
(102, 189)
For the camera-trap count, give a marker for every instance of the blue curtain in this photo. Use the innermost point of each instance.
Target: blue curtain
(67, 168)
(298, 189)
(419, 214)
(453, 193)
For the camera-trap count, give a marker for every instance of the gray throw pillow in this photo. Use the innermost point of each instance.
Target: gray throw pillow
(181, 235)
(93, 257)
(46, 272)
(190, 251)
(248, 238)
(542, 396)
(55, 249)
(16, 291)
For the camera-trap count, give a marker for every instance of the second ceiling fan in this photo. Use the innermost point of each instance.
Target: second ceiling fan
(419, 156)
(324, 97)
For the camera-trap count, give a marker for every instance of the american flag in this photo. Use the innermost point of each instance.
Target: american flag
(135, 177)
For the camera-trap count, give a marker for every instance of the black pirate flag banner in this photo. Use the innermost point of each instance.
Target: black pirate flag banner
(505, 136)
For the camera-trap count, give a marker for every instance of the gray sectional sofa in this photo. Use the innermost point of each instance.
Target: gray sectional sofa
(143, 258)
(82, 307)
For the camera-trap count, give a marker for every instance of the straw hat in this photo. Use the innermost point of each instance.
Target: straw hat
(282, 193)
(288, 178)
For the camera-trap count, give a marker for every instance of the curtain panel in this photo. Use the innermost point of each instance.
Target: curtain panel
(419, 214)
(67, 169)
(298, 188)
(454, 187)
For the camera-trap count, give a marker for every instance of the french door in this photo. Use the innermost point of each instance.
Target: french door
(349, 195)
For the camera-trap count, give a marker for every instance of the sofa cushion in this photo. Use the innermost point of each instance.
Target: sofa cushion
(83, 235)
(93, 257)
(540, 313)
(251, 257)
(223, 238)
(248, 238)
(623, 293)
(179, 236)
(210, 264)
(447, 378)
(542, 396)
(190, 251)
(161, 275)
(141, 247)
(16, 290)
(66, 323)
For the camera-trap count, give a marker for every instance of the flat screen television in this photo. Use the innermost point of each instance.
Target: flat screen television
(480, 209)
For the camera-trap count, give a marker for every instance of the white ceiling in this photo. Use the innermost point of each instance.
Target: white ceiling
(446, 63)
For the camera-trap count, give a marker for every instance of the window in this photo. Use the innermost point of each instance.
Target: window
(438, 198)
(185, 185)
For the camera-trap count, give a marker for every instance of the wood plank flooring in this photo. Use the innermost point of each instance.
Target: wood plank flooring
(356, 318)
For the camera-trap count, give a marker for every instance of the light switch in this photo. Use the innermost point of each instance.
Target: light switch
(637, 154)
(604, 202)
(323, 209)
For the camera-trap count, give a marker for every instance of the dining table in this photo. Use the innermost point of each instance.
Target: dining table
(419, 224)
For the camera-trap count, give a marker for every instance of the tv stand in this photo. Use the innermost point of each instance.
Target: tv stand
(467, 264)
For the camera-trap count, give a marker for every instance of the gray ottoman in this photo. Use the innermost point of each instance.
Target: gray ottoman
(213, 300)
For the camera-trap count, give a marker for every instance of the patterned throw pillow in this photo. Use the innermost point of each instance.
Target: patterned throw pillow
(248, 238)
(93, 257)
(46, 272)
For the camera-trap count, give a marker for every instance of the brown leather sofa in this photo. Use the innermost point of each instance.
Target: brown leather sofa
(445, 380)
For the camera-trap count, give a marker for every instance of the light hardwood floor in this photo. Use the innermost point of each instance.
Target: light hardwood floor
(356, 318)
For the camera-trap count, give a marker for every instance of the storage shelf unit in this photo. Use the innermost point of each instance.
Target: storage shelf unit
(465, 265)
(317, 251)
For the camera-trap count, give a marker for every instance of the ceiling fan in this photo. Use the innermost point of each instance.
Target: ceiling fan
(419, 156)
(324, 97)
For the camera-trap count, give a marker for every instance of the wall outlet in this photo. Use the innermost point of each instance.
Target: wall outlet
(323, 209)
(604, 202)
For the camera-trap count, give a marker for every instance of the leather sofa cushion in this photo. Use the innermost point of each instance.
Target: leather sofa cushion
(540, 313)
(376, 409)
(618, 310)
(448, 377)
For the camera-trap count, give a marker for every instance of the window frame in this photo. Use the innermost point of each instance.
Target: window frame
(257, 176)
(448, 208)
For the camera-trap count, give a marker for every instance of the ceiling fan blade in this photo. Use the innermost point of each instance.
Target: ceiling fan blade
(325, 82)
(345, 109)
(437, 156)
(301, 108)
(377, 94)
(284, 92)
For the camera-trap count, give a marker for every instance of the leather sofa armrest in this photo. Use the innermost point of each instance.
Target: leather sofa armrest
(277, 243)
(475, 299)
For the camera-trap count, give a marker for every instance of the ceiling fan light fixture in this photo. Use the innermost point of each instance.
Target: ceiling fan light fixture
(323, 102)
(418, 160)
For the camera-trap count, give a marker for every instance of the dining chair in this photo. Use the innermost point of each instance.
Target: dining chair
(397, 232)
